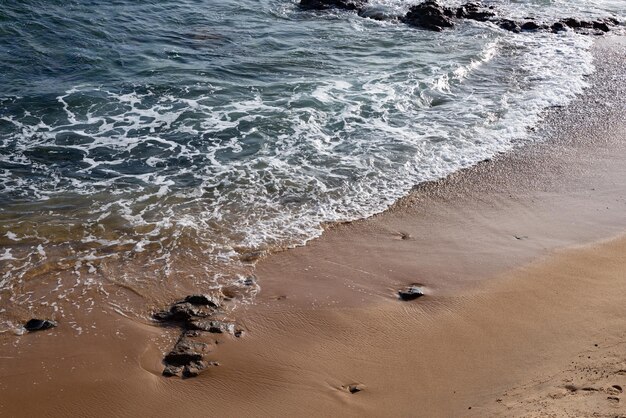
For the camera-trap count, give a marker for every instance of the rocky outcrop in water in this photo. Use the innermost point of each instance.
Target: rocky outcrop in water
(333, 4)
(475, 11)
(430, 15)
(198, 317)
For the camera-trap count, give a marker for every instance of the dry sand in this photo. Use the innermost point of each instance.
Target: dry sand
(524, 263)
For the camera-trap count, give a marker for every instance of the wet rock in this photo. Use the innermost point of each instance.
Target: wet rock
(184, 311)
(195, 315)
(194, 369)
(185, 352)
(509, 25)
(202, 300)
(576, 24)
(170, 371)
(474, 11)
(354, 388)
(332, 4)
(530, 26)
(611, 21)
(410, 293)
(429, 15)
(217, 327)
(161, 316)
(558, 27)
(39, 324)
(179, 312)
(601, 26)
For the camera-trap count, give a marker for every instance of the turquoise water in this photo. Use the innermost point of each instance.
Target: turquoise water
(166, 134)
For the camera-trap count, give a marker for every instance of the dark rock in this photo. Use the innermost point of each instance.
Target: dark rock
(185, 352)
(558, 27)
(238, 333)
(509, 25)
(170, 371)
(39, 324)
(217, 327)
(180, 312)
(202, 300)
(178, 358)
(194, 369)
(161, 316)
(332, 4)
(576, 24)
(530, 26)
(354, 388)
(410, 293)
(474, 11)
(184, 311)
(429, 15)
(601, 26)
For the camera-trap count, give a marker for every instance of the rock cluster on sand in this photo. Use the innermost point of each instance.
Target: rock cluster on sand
(430, 15)
(196, 315)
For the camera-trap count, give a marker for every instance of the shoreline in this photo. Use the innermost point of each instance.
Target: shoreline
(327, 316)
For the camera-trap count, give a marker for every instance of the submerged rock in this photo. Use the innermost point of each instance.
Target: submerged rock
(410, 293)
(39, 324)
(378, 13)
(429, 15)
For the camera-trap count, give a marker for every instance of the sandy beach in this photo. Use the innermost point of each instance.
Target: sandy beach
(523, 262)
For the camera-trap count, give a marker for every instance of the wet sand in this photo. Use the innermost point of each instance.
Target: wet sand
(523, 259)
